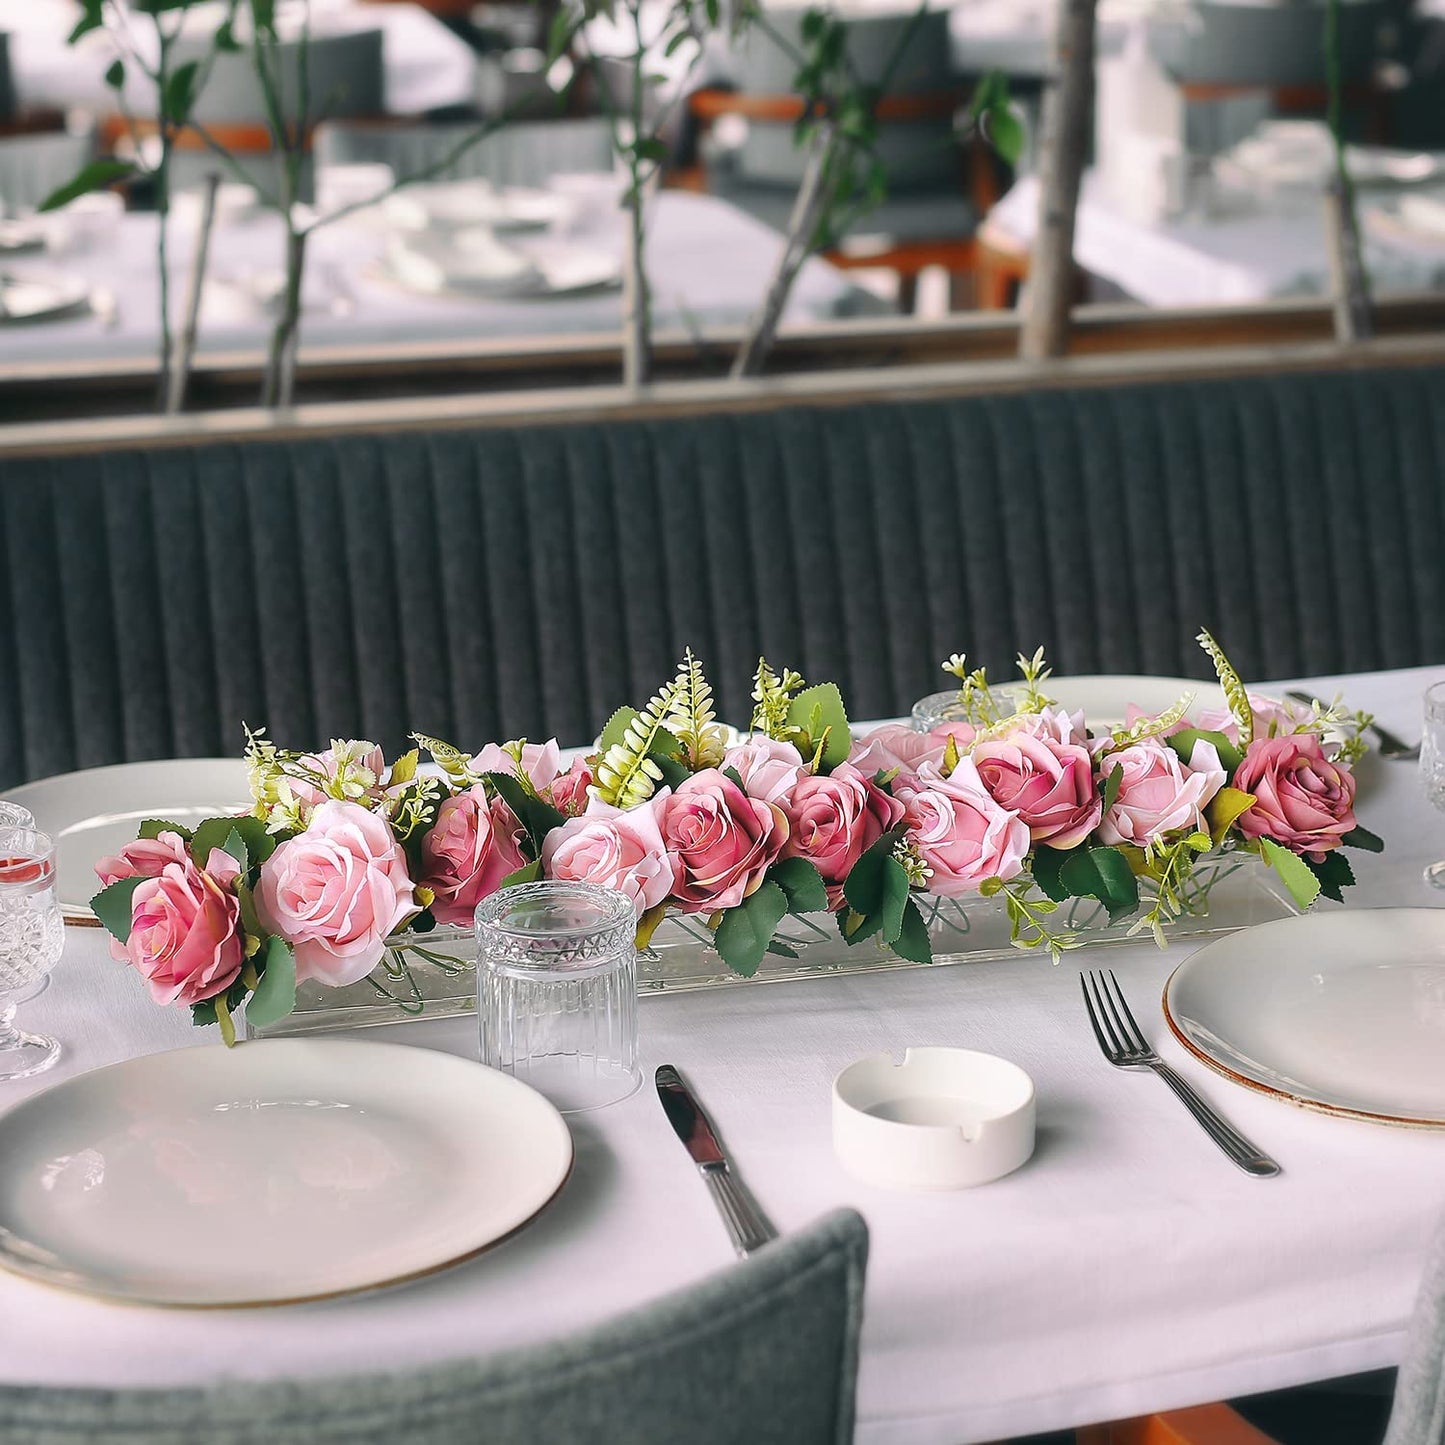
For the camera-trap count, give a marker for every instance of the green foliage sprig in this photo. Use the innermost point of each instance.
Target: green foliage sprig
(1235, 693)
(628, 772)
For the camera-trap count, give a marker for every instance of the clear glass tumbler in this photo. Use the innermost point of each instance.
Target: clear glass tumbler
(1432, 765)
(936, 709)
(12, 815)
(557, 991)
(32, 938)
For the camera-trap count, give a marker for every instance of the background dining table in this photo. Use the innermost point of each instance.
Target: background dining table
(1126, 1268)
(709, 265)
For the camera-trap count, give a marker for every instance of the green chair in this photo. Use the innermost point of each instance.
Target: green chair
(764, 1353)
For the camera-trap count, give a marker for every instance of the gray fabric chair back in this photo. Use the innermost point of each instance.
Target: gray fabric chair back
(32, 166)
(1418, 1414)
(525, 581)
(764, 1354)
(523, 154)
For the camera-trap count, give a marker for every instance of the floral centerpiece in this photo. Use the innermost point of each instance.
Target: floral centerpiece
(1014, 799)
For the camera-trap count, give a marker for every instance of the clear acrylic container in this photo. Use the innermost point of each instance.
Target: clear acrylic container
(557, 991)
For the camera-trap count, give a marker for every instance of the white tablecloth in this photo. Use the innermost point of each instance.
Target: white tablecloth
(1228, 260)
(709, 264)
(1127, 1267)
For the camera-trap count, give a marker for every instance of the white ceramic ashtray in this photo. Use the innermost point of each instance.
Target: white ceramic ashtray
(942, 1119)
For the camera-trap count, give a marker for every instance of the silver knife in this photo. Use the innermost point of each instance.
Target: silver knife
(745, 1222)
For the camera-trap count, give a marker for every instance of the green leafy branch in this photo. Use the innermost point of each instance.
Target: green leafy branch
(628, 772)
(1028, 916)
(772, 695)
(692, 718)
(1168, 864)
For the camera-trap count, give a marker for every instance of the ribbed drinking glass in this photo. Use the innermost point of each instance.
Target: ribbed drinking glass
(557, 990)
(1432, 765)
(32, 938)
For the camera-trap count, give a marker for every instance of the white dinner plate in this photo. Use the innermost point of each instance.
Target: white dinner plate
(454, 204)
(276, 1171)
(95, 813)
(1105, 697)
(24, 299)
(1342, 1012)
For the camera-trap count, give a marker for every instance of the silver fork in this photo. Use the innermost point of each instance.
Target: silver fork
(1126, 1048)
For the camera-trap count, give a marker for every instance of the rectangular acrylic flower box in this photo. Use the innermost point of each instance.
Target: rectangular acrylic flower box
(433, 975)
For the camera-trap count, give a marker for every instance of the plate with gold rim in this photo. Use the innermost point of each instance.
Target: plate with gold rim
(1342, 1012)
(278, 1171)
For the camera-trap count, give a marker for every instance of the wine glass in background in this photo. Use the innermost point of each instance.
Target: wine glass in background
(32, 938)
(1432, 765)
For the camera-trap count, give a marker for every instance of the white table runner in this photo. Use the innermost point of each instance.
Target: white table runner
(1127, 1267)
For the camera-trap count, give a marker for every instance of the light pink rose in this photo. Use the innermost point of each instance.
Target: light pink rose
(541, 762)
(770, 770)
(567, 792)
(335, 892)
(185, 936)
(1302, 800)
(962, 834)
(895, 746)
(1049, 784)
(466, 853)
(721, 840)
(616, 849)
(833, 820)
(1159, 793)
(144, 858)
(1051, 722)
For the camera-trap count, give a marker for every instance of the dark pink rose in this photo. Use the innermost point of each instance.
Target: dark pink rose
(567, 792)
(335, 893)
(145, 858)
(722, 841)
(1049, 784)
(963, 835)
(185, 935)
(834, 819)
(1302, 800)
(467, 852)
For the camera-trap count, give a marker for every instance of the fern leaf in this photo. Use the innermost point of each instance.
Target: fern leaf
(451, 760)
(1153, 727)
(626, 775)
(1234, 690)
(692, 717)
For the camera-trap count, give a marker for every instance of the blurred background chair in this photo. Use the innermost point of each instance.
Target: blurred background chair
(523, 153)
(763, 1354)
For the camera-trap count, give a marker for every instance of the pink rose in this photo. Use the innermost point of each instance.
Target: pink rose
(770, 770)
(1049, 784)
(335, 892)
(185, 937)
(962, 834)
(144, 858)
(895, 746)
(1159, 793)
(567, 792)
(541, 762)
(721, 840)
(1302, 800)
(467, 852)
(834, 819)
(616, 849)
(1051, 722)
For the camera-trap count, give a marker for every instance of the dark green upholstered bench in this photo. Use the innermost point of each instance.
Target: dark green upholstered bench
(525, 580)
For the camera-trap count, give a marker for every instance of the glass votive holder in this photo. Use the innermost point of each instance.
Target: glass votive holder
(557, 990)
(935, 709)
(12, 815)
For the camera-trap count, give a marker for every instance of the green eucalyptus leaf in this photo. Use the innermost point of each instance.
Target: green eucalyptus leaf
(115, 74)
(820, 708)
(913, 942)
(744, 932)
(1334, 874)
(800, 880)
(1362, 838)
(179, 93)
(112, 905)
(877, 887)
(94, 177)
(1045, 871)
(275, 995)
(1101, 873)
(1294, 872)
